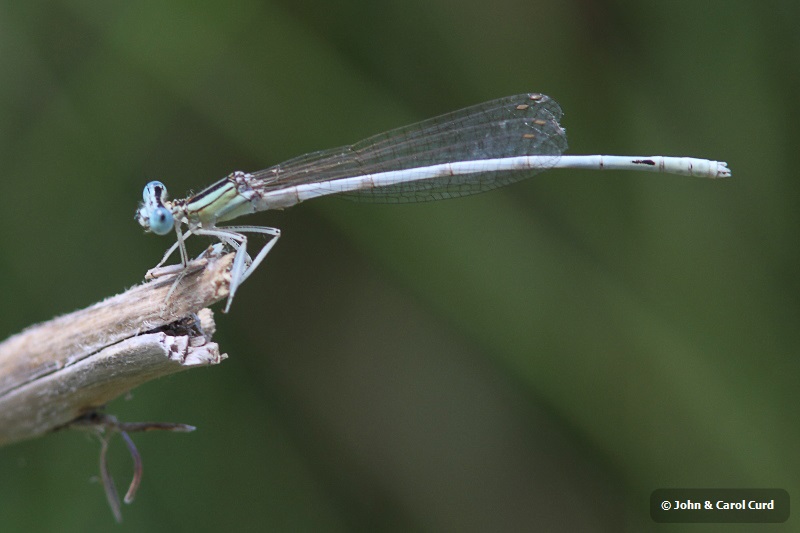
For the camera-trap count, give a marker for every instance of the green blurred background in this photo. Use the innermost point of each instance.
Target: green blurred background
(538, 358)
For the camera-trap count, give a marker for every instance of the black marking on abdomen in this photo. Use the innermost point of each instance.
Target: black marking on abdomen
(644, 162)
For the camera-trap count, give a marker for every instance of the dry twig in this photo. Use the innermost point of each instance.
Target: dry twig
(56, 372)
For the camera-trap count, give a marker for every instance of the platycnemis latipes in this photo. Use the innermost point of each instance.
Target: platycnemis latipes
(464, 152)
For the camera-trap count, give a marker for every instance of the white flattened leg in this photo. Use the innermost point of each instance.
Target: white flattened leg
(159, 270)
(275, 233)
(243, 265)
(239, 243)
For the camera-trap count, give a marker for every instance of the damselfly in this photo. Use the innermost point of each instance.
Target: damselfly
(464, 152)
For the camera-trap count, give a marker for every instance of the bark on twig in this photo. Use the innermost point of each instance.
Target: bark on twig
(57, 371)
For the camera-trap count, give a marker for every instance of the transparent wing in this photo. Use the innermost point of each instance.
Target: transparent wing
(526, 124)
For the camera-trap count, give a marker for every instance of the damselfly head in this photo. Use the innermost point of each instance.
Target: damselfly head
(153, 215)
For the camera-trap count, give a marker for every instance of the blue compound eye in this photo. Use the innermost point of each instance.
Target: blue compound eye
(155, 191)
(152, 213)
(161, 221)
